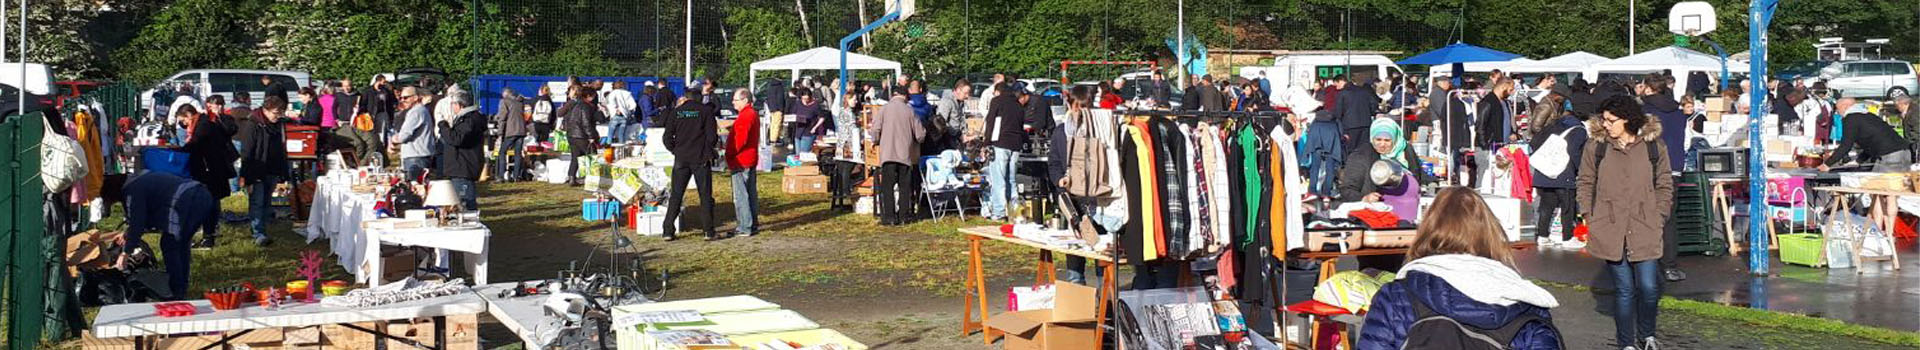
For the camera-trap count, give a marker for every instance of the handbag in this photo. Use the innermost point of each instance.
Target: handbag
(61, 164)
(1552, 157)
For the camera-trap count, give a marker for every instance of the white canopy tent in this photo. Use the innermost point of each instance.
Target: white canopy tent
(1569, 63)
(1681, 61)
(819, 58)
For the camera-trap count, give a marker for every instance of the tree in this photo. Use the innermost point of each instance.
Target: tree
(759, 33)
(187, 34)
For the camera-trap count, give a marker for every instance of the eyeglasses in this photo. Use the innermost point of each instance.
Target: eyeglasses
(1612, 120)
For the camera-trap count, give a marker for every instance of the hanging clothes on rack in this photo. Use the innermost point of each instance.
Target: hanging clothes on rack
(1219, 194)
(1200, 227)
(1292, 189)
(1171, 151)
(1139, 235)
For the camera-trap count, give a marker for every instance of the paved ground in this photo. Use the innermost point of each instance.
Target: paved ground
(1865, 296)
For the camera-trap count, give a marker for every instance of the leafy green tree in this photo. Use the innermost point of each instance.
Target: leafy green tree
(758, 34)
(186, 34)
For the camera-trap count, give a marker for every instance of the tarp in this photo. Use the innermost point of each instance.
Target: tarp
(819, 58)
(1459, 53)
(1679, 60)
(1573, 62)
(1482, 67)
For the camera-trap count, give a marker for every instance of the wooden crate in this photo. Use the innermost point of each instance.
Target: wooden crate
(88, 342)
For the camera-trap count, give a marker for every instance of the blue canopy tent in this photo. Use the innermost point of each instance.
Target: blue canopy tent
(1457, 54)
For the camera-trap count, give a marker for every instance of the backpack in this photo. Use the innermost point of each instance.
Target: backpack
(1431, 330)
(1551, 158)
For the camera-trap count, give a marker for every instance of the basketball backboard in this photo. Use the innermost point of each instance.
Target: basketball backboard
(904, 7)
(1691, 18)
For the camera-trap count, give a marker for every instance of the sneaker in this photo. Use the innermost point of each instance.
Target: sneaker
(1573, 244)
(205, 243)
(1675, 275)
(1649, 344)
(1629, 348)
(1545, 242)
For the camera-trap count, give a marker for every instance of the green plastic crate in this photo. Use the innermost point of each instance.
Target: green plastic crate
(1802, 249)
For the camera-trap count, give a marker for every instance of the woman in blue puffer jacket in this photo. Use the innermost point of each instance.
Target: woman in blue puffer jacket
(1460, 267)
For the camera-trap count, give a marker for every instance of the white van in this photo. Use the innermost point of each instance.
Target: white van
(1303, 69)
(38, 79)
(225, 82)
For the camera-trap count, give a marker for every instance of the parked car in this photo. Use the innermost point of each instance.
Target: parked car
(70, 89)
(1872, 78)
(225, 82)
(412, 77)
(37, 81)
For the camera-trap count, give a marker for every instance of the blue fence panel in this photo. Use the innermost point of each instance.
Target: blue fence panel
(488, 87)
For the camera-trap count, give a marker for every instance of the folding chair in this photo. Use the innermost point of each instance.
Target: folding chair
(941, 195)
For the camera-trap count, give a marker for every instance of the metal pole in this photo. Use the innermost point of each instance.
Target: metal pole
(1180, 39)
(687, 70)
(1760, 15)
(1630, 31)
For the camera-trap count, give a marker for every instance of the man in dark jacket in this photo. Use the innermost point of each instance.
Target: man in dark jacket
(1357, 107)
(263, 163)
(461, 140)
(1494, 118)
(346, 104)
(1161, 91)
(175, 207)
(692, 133)
(512, 120)
(1210, 98)
(378, 101)
(580, 116)
(1005, 118)
(1657, 100)
(1876, 140)
(274, 88)
(898, 133)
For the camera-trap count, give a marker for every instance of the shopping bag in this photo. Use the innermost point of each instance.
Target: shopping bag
(1030, 297)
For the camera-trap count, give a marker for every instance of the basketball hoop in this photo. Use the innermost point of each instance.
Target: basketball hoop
(1692, 18)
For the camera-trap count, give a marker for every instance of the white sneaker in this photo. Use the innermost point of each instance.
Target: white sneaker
(1545, 242)
(1573, 244)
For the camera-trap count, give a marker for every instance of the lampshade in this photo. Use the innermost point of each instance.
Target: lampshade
(440, 194)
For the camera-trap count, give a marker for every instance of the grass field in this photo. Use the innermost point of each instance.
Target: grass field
(892, 287)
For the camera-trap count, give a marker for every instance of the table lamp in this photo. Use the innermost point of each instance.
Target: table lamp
(441, 196)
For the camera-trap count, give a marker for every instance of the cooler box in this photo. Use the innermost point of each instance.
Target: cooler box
(599, 209)
(303, 141)
(164, 160)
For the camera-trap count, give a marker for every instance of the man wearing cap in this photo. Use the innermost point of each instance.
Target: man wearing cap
(692, 132)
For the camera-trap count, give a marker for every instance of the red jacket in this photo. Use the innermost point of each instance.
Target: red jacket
(743, 141)
(1110, 100)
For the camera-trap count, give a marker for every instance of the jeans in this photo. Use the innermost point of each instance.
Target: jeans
(260, 204)
(516, 144)
(415, 166)
(617, 128)
(746, 202)
(999, 183)
(895, 200)
(469, 195)
(1551, 199)
(803, 144)
(688, 169)
(1637, 299)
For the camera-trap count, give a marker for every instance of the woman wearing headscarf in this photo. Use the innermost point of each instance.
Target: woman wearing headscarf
(1379, 173)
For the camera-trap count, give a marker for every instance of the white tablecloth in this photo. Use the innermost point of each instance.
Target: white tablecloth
(336, 215)
(470, 240)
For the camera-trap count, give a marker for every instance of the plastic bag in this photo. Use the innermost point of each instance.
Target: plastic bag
(1351, 290)
(1030, 298)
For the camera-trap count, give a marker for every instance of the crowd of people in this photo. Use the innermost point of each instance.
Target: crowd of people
(1602, 154)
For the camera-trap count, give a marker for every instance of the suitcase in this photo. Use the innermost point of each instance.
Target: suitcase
(1388, 239)
(1335, 240)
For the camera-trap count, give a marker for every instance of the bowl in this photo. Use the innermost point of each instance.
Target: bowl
(226, 300)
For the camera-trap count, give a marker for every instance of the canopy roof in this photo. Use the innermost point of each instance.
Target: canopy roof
(824, 58)
(1459, 53)
(1674, 58)
(1572, 62)
(1481, 67)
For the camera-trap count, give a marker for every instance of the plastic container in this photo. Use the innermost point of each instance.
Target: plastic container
(1802, 249)
(165, 160)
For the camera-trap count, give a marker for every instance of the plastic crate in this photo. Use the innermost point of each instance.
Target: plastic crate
(165, 160)
(1802, 249)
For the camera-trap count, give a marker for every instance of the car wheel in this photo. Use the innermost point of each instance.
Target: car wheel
(1896, 92)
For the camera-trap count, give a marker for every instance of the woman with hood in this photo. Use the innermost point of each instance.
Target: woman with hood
(1626, 194)
(1364, 181)
(1460, 267)
(1556, 190)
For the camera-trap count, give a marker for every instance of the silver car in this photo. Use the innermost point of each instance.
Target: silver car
(1875, 78)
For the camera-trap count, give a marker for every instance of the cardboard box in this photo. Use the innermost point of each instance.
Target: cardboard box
(803, 184)
(1066, 326)
(341, 337)
(1716, 104)
(804, 170)
(88, 342)
(398, 265)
